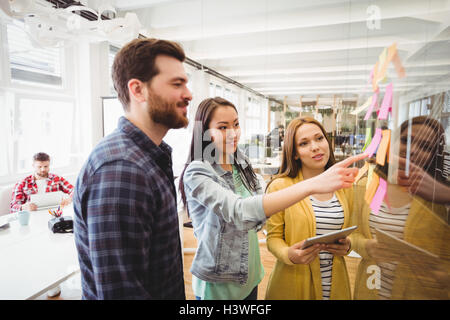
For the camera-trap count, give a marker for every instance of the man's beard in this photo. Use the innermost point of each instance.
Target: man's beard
(42, 175)
(166, 113)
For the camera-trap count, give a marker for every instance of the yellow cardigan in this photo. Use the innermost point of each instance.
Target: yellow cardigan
(424, 228)
(290, 281)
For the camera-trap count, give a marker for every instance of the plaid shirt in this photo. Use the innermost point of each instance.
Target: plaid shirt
(24, 189)
(126, 222)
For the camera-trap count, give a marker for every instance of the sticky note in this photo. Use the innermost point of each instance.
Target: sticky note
(383, 63)
(384, 147)
(370, 150)
(371, 189)
(371, 75)
(377, 199)
(373, 103)
(375, 77)
(361, 172)
(368, 138)
(393, 56)
(386, 105)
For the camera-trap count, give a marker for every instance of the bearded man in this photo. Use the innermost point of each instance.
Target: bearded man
(41, 181)
(126, 222)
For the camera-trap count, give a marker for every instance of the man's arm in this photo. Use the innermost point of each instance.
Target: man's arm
(18, 197)
(65, 186)
(119, 235)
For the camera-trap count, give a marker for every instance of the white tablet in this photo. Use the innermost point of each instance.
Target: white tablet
(328, 238)
(47, 200)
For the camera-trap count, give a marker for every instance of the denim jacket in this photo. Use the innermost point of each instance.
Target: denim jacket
(221, 221)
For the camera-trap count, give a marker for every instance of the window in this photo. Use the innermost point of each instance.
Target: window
(31, 64)
(253, 118)
(112, 111)
(43, 126)
(111, 55)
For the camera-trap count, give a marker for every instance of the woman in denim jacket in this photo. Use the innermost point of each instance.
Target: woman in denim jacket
(227, 206)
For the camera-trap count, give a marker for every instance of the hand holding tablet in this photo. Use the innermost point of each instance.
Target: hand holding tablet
(329, 238)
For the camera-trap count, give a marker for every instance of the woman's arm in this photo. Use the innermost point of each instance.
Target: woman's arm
(335, 178)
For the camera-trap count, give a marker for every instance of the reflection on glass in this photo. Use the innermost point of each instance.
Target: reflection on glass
(405, 247)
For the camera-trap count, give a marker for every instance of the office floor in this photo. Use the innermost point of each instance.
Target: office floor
(71, 289)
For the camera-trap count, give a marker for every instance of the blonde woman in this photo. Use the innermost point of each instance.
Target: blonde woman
(319, 271)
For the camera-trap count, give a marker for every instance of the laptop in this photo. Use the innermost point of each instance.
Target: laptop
(47, 200)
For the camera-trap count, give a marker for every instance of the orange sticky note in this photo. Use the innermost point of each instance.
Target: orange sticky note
(372, 188)
(384, 147)
(362, 171)
(375, 77)
(393, 56)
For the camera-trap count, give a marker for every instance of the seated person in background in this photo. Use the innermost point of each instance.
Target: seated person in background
(275, 137)
(40, 181)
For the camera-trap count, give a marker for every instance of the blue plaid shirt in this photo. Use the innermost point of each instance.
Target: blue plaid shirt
(126, 223)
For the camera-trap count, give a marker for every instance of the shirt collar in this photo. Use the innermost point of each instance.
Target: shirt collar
(143, 141)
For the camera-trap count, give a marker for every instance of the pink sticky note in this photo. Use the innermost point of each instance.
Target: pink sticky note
(370, 150)
(373, 104)
(386, 105)
(371, 75)
(379, 196)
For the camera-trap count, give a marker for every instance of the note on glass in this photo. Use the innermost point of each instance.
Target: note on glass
(373, 103)
(393, 56)
(386, 105)
(379, 196)
(361, 172)
(384, 147)
(383, 63)
(371, 188)
(370, 150)
(368, 138)
(375, 76)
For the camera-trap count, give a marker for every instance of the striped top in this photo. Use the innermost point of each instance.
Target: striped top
(329, 217)
(392, 221)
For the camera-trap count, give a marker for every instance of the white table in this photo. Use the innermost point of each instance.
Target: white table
(33, 259)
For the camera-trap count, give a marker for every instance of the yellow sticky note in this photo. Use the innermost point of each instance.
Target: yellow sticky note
(383, 63)
(383, 147)
(372, 188)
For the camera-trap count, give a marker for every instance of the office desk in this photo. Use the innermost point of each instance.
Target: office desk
(33, 259)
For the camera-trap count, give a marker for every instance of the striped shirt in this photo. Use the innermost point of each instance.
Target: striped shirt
(329, 217)
(126, 222)
(392, 221)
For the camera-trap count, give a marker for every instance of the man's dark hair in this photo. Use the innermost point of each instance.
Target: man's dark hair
(136, 60)
(41, 156)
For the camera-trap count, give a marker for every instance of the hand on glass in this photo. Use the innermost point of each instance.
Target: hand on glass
(419, 182)
(338, 176)
(304, 256)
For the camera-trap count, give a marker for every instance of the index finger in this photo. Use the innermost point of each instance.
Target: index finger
(346, 162)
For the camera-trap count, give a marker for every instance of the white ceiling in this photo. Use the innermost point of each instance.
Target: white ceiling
(293, 48)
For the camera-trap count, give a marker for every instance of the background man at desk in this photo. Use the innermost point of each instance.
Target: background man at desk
(40, 181)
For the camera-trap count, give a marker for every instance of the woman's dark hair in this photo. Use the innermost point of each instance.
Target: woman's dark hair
(201, 126)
